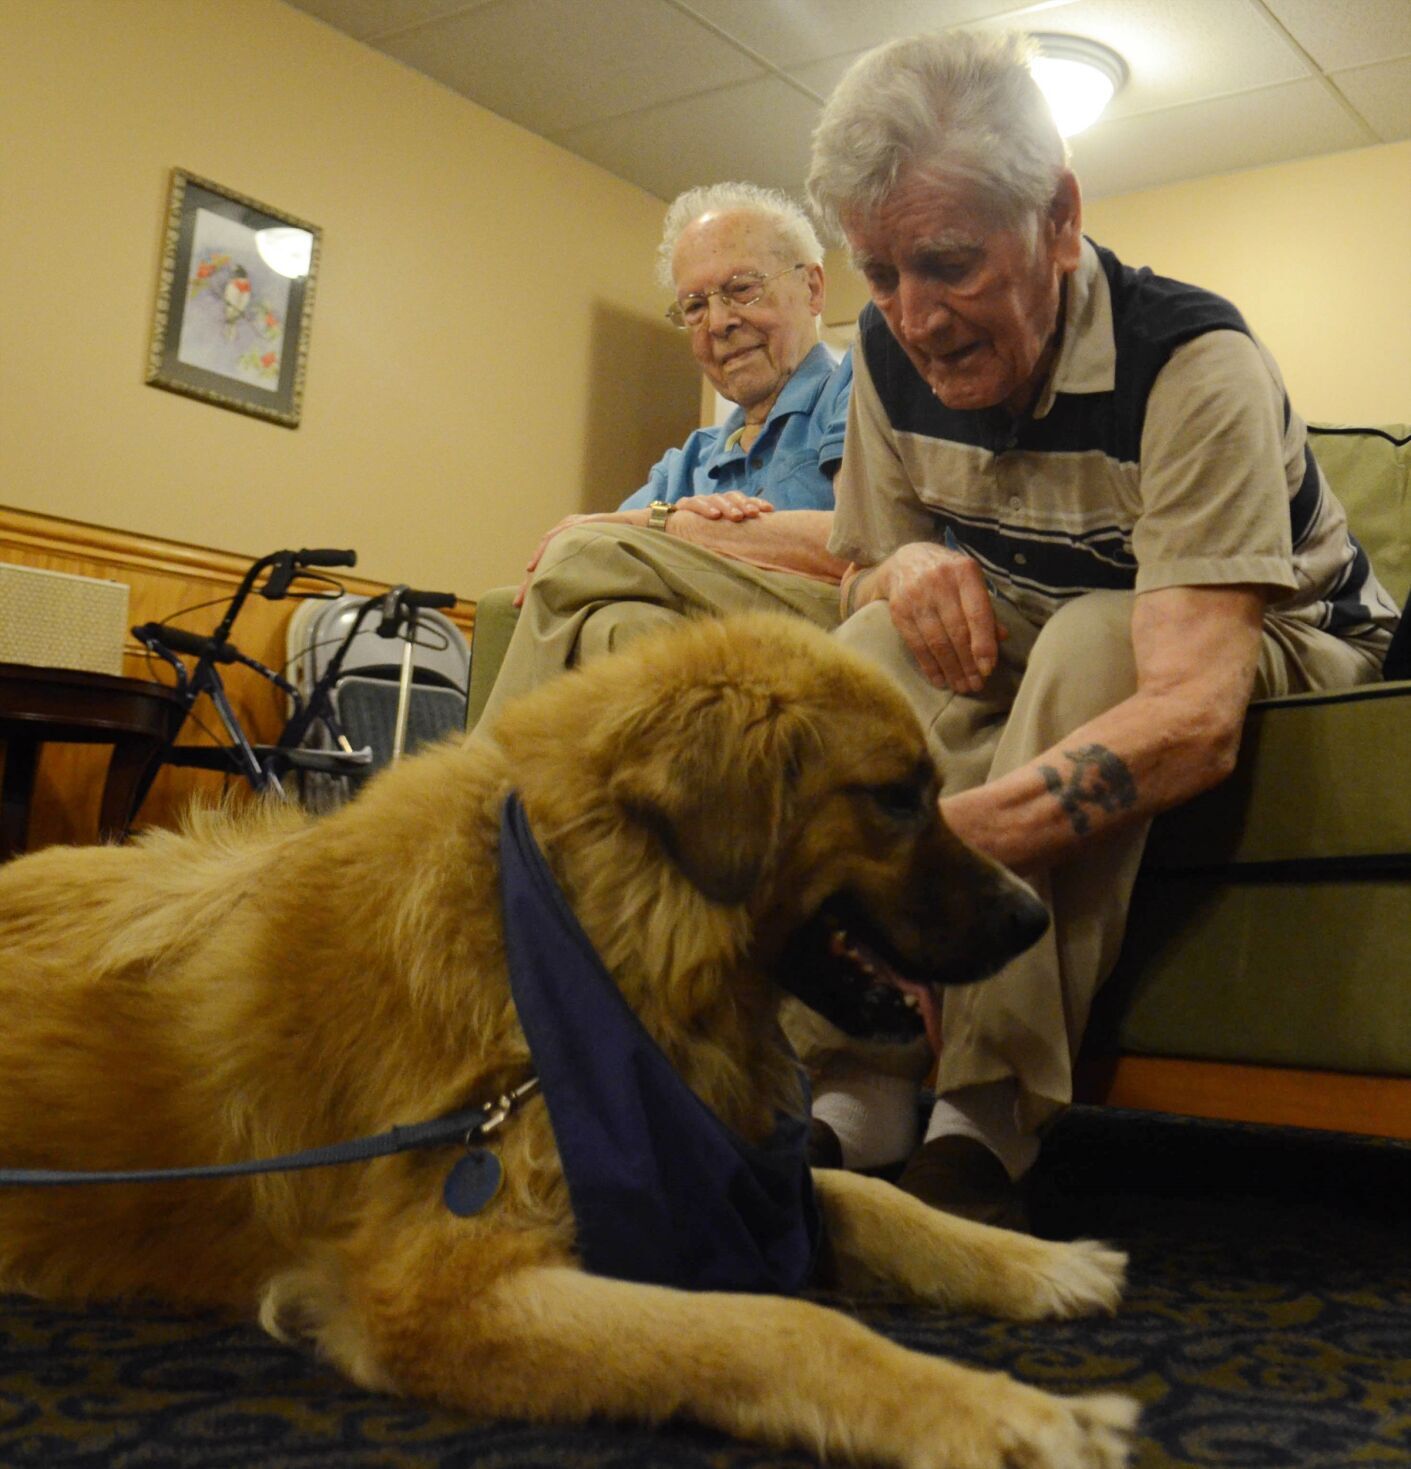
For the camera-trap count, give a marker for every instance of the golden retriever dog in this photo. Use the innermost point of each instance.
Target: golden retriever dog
(716, 806)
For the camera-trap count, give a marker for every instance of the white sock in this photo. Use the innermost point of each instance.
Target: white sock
(988, 1113)
(876, 1117)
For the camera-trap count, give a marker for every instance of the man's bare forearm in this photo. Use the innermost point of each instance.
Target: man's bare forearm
(1141, 757)
(1178, 734)
(787, 540)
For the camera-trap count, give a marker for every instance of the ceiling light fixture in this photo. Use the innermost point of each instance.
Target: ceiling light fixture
(1078, 78)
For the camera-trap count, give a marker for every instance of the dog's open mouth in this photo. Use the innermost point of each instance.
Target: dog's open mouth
(839, 965)
(920, 999)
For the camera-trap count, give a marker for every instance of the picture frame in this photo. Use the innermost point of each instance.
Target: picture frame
(235, 296)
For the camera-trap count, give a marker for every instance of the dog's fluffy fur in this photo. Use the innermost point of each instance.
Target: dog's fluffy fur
(251, 987)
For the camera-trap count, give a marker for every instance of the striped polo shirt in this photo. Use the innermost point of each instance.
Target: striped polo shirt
(1162, 452)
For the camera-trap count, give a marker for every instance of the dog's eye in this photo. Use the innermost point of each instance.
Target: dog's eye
(900, 800)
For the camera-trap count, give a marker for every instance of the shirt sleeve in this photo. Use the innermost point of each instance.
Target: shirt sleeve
(832, 416)
(877, 509)
(1214, 477)
(675, 475)
(652, 490)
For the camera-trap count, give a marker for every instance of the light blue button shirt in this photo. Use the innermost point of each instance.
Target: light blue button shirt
(792, 462)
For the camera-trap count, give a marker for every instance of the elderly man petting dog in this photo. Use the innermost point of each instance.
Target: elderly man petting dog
(1085, 528)
(737, 518)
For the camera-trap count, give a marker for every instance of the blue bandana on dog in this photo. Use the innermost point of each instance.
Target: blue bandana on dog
(662, 1191)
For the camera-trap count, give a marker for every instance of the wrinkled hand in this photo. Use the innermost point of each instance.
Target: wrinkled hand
(941, 607)
(729, 505)
(623, 517)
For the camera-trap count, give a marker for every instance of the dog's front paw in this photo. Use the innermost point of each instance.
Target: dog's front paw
(884, 1241)
(1070, 1433)
(1013, 1426)
(1084, 1278)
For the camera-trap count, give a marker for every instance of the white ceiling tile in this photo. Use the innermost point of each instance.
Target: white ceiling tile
(1340, 33)
(547, 66)
(1296, 120)
(366, 19)
(820, 77)
(667, 93)
(1174, 53)
(706, 139)
(1382, 94)
(1177, 51)
(789, 33)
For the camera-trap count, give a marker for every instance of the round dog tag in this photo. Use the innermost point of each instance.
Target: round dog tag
(473, 1182)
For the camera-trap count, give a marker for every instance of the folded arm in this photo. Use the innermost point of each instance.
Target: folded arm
(787, 540)
(740, 526)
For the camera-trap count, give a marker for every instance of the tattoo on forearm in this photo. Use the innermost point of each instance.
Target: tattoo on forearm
(1098, 778)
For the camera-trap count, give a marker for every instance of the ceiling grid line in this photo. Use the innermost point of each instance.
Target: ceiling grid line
(747, 51)
(1329, 86)
(427, 22)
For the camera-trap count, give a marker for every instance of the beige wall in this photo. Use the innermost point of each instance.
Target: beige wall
(486, 352)
(1316, 254)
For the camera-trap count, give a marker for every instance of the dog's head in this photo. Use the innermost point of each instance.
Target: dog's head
(783, 777)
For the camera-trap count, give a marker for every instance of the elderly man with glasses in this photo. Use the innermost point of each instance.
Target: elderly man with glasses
(738, 517)
(1086, 528)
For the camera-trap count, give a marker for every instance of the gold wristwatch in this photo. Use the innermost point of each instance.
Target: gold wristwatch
(660, 510)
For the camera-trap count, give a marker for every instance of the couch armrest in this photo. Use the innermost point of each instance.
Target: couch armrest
(495, 617)
(1319, 781)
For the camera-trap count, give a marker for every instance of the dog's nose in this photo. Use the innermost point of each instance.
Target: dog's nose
(1020, 919)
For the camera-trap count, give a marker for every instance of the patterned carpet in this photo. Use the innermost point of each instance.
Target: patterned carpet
(1268, 1326)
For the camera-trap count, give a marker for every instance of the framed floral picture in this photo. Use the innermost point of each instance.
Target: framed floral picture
(235, 298)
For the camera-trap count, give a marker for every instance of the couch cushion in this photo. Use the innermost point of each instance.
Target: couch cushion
(495, 617)
(1371, 475)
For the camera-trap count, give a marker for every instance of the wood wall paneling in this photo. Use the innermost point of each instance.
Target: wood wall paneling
(164, 578)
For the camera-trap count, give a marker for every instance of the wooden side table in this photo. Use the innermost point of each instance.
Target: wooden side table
(137, 717)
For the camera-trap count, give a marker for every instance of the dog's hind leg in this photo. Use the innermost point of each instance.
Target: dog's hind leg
(556, 1344)
(882, 1241)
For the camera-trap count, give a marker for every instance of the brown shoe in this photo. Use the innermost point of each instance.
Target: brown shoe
(824, 1148)
(961, 1176)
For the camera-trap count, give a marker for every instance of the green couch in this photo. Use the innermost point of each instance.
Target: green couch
(1266, 974)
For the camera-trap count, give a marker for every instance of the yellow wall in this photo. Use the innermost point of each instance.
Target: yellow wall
(1316, 254)
(486, 353)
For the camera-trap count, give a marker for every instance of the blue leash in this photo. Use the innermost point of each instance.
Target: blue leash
(466, 1127)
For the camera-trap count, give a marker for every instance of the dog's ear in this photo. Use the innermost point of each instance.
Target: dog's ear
(711, 777)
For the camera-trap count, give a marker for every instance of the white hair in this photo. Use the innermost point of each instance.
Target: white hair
(797, 239)
(954, 105)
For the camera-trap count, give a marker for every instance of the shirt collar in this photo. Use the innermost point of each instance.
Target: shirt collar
(798, 395)
(1086, 361)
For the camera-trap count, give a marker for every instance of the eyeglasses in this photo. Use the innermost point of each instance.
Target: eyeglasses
(739, 290)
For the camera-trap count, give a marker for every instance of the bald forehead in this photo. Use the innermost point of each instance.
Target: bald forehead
(732, 240)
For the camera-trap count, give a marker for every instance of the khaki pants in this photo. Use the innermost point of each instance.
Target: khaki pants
(1026, 1023)
(601, 584)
